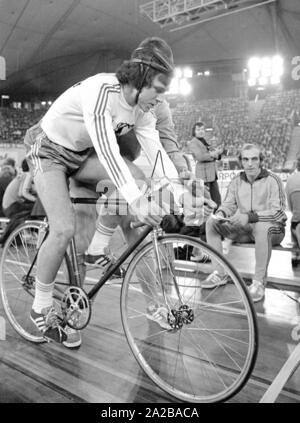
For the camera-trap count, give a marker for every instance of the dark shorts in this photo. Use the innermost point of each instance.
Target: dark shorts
(294, 225)
(44, 155)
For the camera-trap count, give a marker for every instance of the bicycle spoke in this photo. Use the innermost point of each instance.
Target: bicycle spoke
(16, 286)
(209, 348)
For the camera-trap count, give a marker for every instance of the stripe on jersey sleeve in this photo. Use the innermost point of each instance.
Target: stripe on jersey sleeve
(101, 131)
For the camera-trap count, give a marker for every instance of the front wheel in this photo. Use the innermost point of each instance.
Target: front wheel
(17, 286)
(199, 344)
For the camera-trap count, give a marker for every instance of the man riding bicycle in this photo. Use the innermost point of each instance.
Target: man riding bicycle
(85, 117)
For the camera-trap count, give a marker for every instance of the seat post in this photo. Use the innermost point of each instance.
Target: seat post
(73, 254)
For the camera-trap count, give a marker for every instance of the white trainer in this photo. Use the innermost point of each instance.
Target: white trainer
(214, 280)
(159, 315)
(257, 291)
(73, 338)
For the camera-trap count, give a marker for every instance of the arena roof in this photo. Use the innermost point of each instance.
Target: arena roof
(50, 44)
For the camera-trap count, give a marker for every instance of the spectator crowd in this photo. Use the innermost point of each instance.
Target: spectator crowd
(232, 122)
(230, 119)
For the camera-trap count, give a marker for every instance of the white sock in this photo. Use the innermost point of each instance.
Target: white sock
(43, 296)
(100, 240)
(226, 245)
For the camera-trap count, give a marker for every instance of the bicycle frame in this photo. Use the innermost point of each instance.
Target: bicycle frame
(114, 267)
(119, 262)
(131, 248)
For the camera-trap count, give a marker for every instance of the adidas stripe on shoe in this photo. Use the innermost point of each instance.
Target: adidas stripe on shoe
(214, 280)
(101, 260)
(49, 324)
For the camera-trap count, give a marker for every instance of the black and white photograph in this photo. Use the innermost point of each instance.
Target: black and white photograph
(149, 205)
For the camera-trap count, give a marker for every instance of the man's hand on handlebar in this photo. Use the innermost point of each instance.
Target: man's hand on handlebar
(148, 212)
(194, 201)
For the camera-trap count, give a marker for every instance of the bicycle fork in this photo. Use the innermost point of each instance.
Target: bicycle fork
(155, 234)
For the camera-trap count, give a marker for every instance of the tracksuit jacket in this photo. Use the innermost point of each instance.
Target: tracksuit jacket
(263, 199)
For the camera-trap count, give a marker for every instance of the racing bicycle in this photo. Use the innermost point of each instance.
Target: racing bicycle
(207, 348)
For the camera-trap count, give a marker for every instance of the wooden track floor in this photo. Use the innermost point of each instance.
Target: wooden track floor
(103, 370)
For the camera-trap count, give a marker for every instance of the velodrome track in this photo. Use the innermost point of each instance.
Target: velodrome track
(103, 370)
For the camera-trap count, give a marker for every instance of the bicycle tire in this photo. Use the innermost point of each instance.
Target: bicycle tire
(224, 323)
(17, 296)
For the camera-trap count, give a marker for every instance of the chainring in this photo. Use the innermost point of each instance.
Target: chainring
(76, 308)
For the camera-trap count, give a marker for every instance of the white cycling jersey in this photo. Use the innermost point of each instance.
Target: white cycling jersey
(92, 113)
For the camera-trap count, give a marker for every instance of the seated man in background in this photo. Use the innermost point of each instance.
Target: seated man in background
(18, 200)
(19, 194)
(254, 209)
(7, 174)
(292, 190)
(10, 163)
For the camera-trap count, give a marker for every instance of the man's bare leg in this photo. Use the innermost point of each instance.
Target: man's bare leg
(53, 191)
(54, 194)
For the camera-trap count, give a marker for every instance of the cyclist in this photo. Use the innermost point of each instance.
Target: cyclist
(87, 115)
(97, 254)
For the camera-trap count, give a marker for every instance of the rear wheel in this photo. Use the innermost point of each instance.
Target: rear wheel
(17, 287)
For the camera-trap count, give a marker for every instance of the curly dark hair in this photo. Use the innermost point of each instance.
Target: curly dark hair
(131, 73)
(197, 124)
(148, 45)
